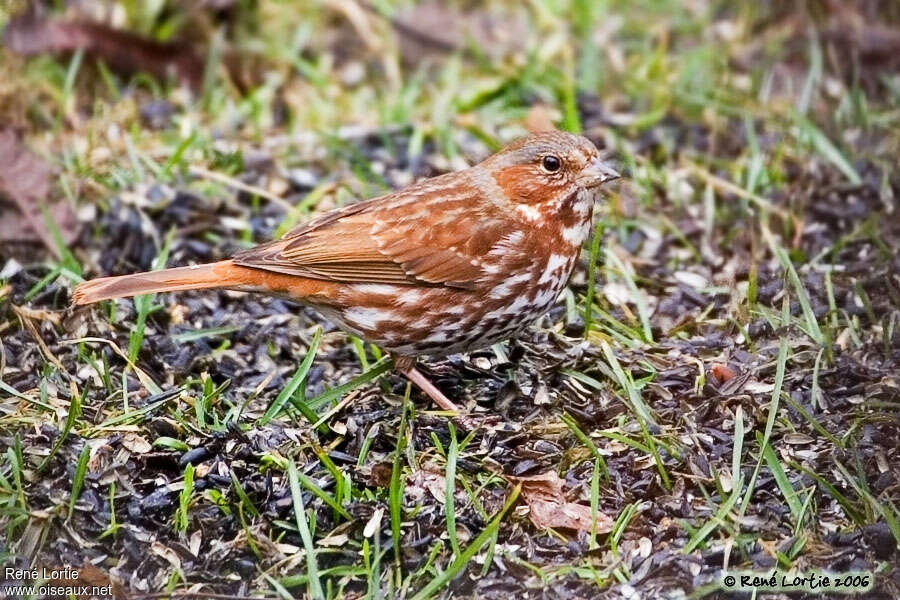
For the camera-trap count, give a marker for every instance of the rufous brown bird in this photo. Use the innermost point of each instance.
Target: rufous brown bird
(448, 264)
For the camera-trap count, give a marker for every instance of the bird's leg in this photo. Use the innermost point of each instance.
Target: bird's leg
(407, 366)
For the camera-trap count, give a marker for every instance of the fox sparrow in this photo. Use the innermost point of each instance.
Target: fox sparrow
(448, 264)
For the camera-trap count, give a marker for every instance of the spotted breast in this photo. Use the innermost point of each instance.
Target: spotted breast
(521, 276)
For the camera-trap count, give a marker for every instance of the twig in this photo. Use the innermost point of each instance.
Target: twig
(240, 185)
(25, 318)
(145, 379)
(724, 185)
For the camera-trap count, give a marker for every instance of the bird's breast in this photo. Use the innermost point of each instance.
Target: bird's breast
(412, 320)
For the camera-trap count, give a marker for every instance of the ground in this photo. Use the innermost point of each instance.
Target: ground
(721, 379)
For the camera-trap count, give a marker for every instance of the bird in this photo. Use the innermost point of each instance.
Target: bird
(448, 264)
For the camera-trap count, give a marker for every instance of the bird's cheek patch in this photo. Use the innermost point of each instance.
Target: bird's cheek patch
(522, 184)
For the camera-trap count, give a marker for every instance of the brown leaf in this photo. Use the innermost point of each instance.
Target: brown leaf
(135, 443)
(431, 480)
(722, 372)
(124, 51)
(25, 180)
(93, 575)
(548, 506)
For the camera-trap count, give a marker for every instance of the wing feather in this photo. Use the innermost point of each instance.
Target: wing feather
(424, 235)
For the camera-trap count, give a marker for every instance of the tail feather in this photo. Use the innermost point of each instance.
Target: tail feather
(214, 275)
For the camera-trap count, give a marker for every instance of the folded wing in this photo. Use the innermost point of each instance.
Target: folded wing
(435, 236)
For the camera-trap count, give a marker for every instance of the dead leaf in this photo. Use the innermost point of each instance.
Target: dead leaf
(93, 575)
(194, 543)
(166, 553)
(374, 522)
(25, 180)
(126, 52)
(722, 372)
(334, 540)
(548, 506)
(136, 444)
(432, 481)
(40, 314)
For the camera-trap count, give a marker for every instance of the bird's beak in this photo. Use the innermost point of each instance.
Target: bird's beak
(597, 173)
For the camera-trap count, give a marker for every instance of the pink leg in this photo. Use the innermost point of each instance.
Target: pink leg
(407, 366)
(426, 386)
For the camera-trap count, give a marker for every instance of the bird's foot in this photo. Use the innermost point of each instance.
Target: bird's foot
(465, 422)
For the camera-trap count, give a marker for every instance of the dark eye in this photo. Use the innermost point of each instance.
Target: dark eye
(551, 163)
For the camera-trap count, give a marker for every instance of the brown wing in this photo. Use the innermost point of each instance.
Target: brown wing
(431, 233)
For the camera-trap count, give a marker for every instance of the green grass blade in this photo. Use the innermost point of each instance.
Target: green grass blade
(184, 499)
(395, 494)
(812, 324)
(738, 448)
(584, 439)
(463, 558)
(845, 503)
(295, 382)
(323, 495)
(599, 466)
(144, 302)
(315, 586)
(821, 144)
(242, 495)
(781, 361)
(74, 413)
(199, 334)
(717, 520)
(633, 395)
(787, 490)
(78, 478)
(382, 366)
(592, 279)
(643, 310)
(450, 478)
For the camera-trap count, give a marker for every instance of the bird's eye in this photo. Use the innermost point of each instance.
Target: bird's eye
(551, 163)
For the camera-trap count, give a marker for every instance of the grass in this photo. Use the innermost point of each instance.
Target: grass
(78, 479)
(450, 476)
(294, 386)
(755, 233)
(184, 499)
(463, 558)
(315, 586)
(144, 304)
(780, 366)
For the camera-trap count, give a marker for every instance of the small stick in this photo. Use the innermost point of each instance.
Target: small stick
(240, 185)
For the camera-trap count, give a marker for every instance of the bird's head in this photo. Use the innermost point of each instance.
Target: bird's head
(549, 176)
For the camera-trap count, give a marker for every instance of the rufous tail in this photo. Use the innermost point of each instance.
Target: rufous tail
(221, 274)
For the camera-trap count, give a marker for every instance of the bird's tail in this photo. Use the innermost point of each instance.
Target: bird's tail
(223, 274)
